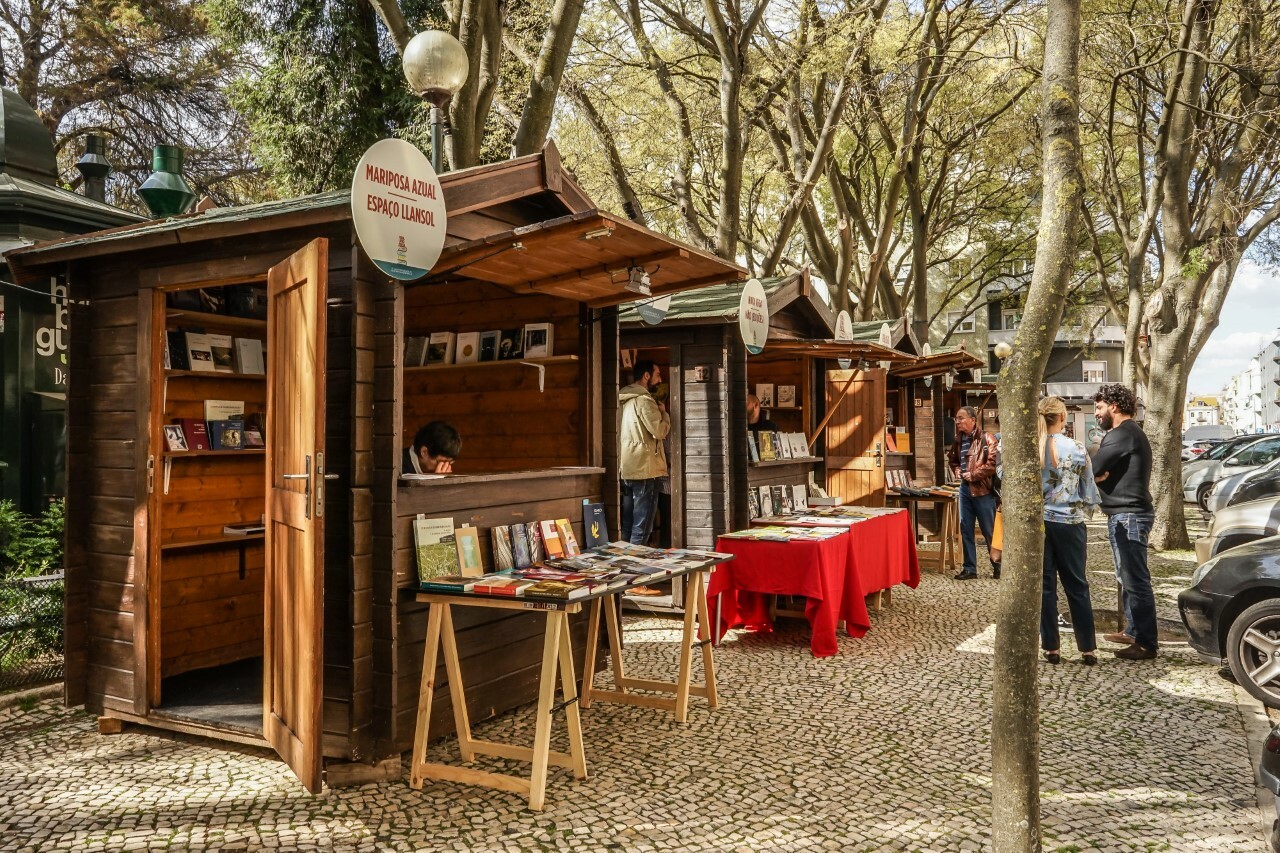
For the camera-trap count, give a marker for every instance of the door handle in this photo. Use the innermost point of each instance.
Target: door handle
(294, 476)
(306, 491)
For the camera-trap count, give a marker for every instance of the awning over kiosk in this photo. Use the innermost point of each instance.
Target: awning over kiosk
(584, 256)
(936, 364)
(833, 349)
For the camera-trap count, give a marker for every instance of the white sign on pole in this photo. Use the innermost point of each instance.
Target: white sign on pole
(654, 311)
(844, 332)
(398, 209)
(753, 316)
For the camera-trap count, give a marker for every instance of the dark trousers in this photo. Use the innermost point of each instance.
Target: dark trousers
(639, 507)
(1064, 560)
(983, 509)
(1129, 532)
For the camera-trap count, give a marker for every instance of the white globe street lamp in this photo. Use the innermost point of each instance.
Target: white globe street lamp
(436, 66)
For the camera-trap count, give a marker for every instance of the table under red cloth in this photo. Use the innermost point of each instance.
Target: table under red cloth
(882, 552)
(818, 570)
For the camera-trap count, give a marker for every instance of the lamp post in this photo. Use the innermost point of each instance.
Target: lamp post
(435, 64)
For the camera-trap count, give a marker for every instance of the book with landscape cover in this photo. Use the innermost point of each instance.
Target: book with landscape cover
(551, 538)
(470, 561)
(449, 583)
(595, 532)
(567, 539)
(220, 346)
(503, 557)
(434, 547)
(786, 396)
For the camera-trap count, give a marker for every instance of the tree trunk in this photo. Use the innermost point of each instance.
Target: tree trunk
(1015, 774)
(544, 79)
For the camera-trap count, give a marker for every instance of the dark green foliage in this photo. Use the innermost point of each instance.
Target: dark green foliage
(30, 546)
(327, 84)
(30, 605)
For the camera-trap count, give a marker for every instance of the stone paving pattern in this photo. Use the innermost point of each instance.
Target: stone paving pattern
(883, 747)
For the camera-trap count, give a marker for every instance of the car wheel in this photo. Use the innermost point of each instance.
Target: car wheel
(1253, 651)
(1202, 495)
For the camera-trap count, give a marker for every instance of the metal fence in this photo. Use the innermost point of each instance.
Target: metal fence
(30, 631)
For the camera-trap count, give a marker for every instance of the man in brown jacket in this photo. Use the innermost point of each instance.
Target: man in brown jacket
(974, 457)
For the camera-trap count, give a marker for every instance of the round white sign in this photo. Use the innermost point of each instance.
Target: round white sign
(397, 206)
(654, 311)
(753, 316)
(844, 332)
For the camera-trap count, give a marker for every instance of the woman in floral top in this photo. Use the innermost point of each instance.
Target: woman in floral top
(1070, 499)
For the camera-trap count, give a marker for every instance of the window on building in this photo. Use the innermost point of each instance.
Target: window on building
(1011, 318)
(963, 325)
(1095, 371)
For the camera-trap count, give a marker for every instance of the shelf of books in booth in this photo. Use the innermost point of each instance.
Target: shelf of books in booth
(222, 321)
(803, 460)
(245, 451)
(212, 541)
(213, 374)
(511, 362)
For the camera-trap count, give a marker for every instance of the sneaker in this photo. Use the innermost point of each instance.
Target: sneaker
(966, 576)
(1063, 622)
(1118, 637)
(1136, 652)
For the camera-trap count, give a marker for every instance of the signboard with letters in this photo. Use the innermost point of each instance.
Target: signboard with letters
(753, 316)
(398, 209)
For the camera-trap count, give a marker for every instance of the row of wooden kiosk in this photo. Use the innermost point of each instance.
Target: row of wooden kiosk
(310, 637)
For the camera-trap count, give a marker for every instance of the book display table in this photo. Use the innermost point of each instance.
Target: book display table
(818, 570)
(947, 557)
(557, 661)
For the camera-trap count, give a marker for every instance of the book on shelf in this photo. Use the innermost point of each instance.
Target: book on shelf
(890, 443)
(538, 340)
(753, 450)
(501, 584)
(800, 497)
(786, 396)
(489, 345)
(226, 435)
(220, 346)
(449, 583)
(415, 351)
(434, 547)
(244, 528)
(503, 556)
(520, 547)
(252, 438)
(174, 438)
(766, 502)
(595, 530)
(782, 445)
(551, 538)
(533, 536)
(782, 499)
(764, 393)
(177, 350)
(767, 451)
(567, 539)
(511, 344)
(440, 348)
(470, 559)
(193, 429)
(199, 353)
(223, 410)
(468, 348)
(903, 438)
(249, 356)
(753, 503)
(801, 445)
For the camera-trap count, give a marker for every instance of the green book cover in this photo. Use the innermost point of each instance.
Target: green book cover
(435, 547)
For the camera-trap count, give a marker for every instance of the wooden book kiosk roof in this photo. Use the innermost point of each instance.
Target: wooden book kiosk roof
(868, 350)
(569, 249)
(718, 304)
(951, 358)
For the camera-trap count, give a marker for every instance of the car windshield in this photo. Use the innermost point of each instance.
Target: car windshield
(1258, 453)
(1226, 448)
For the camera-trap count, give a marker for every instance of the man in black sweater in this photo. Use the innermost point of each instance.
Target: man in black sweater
(1122, 469)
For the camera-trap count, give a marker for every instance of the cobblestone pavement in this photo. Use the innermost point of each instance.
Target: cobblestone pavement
(883, 747)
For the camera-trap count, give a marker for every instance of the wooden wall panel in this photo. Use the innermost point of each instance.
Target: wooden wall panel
(209, 613)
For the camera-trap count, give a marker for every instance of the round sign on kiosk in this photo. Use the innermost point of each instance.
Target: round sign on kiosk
(844, 332)
(654, 311)
(397, 206)
(753, 316)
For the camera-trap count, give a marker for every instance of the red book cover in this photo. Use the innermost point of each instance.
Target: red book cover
(501, 586)
(195, 432)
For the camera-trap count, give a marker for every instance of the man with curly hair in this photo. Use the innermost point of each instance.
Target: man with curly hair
(1122, 469)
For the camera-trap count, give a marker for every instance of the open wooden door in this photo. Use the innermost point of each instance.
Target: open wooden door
(855, 436)
(294, 604)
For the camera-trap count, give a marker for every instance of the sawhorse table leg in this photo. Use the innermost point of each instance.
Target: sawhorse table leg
(557, 654)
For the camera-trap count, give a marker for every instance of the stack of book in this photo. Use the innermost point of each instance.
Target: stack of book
(768, 446)
(200, 352)
(533, 340)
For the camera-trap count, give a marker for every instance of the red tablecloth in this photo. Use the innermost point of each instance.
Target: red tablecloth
(882, 552)
(819, 571)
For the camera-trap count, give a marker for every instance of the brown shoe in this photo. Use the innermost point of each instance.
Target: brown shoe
(1118, 637)
(1136, 652)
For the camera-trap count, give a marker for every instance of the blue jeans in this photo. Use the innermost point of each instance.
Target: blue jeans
(971, 507)
(639, 508)
(1129, 532)
(1064, 559)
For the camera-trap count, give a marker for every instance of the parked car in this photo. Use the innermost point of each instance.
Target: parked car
(1224, 490)
(1232, 614)
(1252, 453)
(1269, 775)
(1239, 525)
(1263, 483)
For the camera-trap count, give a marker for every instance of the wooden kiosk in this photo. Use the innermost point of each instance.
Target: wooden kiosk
(308, 638)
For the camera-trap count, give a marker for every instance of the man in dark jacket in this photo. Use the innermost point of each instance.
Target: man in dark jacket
(1122, 469)
(974, 456)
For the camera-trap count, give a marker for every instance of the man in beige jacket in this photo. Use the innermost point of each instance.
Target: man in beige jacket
(643, 424)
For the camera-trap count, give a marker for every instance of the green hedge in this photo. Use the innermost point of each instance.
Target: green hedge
(31, 601)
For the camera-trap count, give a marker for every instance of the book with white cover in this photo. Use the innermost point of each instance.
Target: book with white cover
(786, 396)
(468, 348)
(440, 348)
(538, 340)
(249, 356)
(199, 353)
(223, 410)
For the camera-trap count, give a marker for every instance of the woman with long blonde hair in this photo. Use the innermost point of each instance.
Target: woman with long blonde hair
(1070, 499)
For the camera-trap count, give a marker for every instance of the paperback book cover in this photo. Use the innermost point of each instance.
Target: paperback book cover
(440, 348)
(567, 539)
(178, 351)
(220, 346)
(520, 546)
(766, 502)
(223, 410)
(595, 532)
(767, 451)
(415, 351)
(753, 451)
(501, 585)
(781, 501)
(800, 497)
(226, 435)
(551, 538)
(511, 344)
(199, 355)
(468, 347)
(450, 583)
(489, 345)
(434, 545)
(753, 503)
(249, 356)
(193, 429)
(470, 562)
(764, 393)
(537, 550)
(786, 396)
(538, 341)
(503, 557)
(558, 589)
